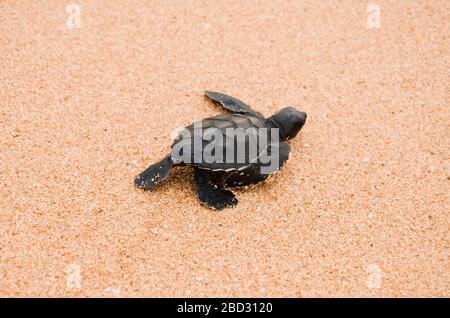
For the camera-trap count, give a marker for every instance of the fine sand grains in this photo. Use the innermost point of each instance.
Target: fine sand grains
(90, 95)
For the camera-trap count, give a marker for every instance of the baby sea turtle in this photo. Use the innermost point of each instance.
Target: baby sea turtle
(241, 168)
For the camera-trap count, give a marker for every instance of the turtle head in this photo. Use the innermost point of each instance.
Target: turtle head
(289, 121)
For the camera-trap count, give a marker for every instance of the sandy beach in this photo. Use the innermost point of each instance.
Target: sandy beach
(91, 93)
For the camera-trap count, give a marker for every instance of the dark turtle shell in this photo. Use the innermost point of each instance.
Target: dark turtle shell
(221, 123)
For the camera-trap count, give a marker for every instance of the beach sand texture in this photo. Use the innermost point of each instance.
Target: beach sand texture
(360, 209)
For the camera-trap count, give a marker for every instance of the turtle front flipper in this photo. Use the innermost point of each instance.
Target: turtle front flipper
(230, 103)
(210, 193)
(278, 153)
(154, 174)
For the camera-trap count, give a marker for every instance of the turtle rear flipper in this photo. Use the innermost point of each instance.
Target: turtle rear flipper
(212, 194)
(154, 174)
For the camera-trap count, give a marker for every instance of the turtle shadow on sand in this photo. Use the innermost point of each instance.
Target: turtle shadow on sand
(213, 179)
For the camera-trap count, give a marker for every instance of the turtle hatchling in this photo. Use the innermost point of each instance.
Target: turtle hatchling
(239, 148)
